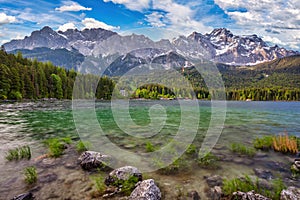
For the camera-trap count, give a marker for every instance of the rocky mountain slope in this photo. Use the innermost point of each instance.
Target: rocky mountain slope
(219, 46)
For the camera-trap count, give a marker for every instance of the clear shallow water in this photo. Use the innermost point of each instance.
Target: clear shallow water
(31, 123)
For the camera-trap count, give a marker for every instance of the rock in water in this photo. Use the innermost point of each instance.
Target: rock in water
(215, 193)
(123, 174)
(213, 181)
(193, 195)
(248, 196)
(291, 193)
(90, 160)
(25, 196)
(146, 190)
(264, 174)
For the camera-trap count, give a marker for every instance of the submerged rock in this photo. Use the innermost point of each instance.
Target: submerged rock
(146, 190)
(215, 180)
(295, 168)
(215, 193)
(122, 174)
(291, 193)
(262, 173)
(25, 196)
(47, 178)
(248, 196)
(193, 195)
(90, 160)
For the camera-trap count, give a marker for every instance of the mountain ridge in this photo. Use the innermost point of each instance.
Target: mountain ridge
(220, 45)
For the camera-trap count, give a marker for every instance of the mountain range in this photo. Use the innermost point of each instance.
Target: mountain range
(117, 54)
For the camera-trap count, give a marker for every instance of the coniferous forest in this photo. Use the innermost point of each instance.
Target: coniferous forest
(22, 78)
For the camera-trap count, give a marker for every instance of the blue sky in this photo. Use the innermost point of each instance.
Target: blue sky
(276, 21)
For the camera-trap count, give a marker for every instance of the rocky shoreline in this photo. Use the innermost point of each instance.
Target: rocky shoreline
(72, 171)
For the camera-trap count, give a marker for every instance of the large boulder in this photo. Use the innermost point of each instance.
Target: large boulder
(90, 160)
(248, 196)
(146, 190)
(117, 176)
(291, 193)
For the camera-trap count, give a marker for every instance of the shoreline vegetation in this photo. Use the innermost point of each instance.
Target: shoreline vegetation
(122, 182)
(23, 79)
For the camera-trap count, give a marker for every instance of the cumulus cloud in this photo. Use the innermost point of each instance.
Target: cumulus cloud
(280, 16)
(155, 19)
(179, 17)
(71, 6)
(273, 40)
(137, 5)
(6, 19)
(66, 26)
(90, 23)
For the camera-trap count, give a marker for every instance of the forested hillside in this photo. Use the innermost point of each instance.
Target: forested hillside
(21, 78)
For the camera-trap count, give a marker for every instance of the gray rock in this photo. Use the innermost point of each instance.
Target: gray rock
(146, 190)
(123, 174)
(248, 196)
(25, 196)
(215, 180)
(90, 160)
(47, 178)
(291, 193)
(193, 195)
(297, 163)
(262, 173)
(215, 193)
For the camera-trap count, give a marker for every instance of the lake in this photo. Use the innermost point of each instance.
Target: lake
(33, 122)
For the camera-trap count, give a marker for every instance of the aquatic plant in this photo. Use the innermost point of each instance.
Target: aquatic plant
(66, 140)
(19, 153)
(282, 143)
(207, 160)
(82, 146)
(246, 184)
(285, 144)
(150, 147)
(128, 185)
(242, 149)
(243, 184)
(57, 146)
(263, 143)
(30, 175)
(192, 149)
(98, 182)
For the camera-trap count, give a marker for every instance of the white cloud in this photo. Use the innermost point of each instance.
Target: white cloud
(179, 17)
(273, 40)
(155, 19)
(66, 26)
(90, 23)
(138, 5)
(71, 6)
(257, 15)
(6, 19)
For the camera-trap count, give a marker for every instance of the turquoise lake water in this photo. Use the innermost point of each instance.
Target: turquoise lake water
(31, 123)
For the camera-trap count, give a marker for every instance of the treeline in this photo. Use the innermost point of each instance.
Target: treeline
(156, 91)
(21, 78)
